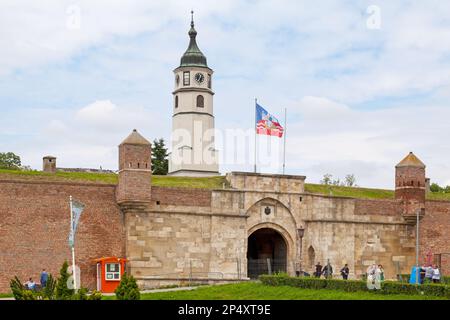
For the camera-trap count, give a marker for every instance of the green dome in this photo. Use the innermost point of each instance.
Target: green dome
(193, 56)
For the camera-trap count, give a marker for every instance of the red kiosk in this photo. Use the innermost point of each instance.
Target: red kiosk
(109, 273)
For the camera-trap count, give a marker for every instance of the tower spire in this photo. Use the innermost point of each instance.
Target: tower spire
(193, 56)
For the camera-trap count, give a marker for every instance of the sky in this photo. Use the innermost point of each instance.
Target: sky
(363, 82)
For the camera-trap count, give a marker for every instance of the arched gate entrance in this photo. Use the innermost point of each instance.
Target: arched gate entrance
(266, 253)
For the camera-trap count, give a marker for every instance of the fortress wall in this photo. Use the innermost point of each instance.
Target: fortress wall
(181, 196)
(358, 232)
(266, 182)
(435, 232)
(34, 228)
(377, 207)
(164, 247)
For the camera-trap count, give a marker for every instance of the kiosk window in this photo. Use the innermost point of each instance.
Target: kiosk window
(112, 271)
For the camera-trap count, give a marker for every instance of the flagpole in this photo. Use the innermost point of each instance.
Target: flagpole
(284, 142)
(254, 126)
(73, 246)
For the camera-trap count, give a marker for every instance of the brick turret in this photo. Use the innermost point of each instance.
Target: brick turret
(134, 169)
(410, 186)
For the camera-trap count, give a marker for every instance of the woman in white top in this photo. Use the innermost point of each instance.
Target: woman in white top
(436, 274)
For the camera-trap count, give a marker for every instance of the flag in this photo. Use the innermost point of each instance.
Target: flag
(267, 124)
(77, 209)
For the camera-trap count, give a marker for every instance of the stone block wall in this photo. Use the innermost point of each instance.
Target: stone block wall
(266, 182)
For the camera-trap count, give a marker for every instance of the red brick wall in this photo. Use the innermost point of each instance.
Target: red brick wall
(135, 173)
(34, 226)
(377, 207)
(435, 232)
(132, 156)
(410, 183)
(134, 185)
(181, 196)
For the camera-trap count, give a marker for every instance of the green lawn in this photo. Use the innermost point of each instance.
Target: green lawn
(349, 191)
(258, 291)
(6, 295)
(204, 183)
(189, 182)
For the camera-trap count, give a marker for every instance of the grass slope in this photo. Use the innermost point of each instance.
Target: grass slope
(349, 191)
(204, 183)
(258, 291)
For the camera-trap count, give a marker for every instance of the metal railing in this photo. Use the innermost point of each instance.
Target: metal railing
(257, 267)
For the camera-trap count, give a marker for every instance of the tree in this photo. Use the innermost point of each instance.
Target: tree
(350, 180)
(160, 163)
(435, 187)
(336, 182)
(128, 289)
(9, 160)
(62, 290)
(326, 180)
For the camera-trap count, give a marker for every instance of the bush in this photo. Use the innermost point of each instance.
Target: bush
(17, 288)
(388, 287)
(48, 293)
(62, 291)
(95, 295)
(128, 289)
(54, 289)
(81, 294)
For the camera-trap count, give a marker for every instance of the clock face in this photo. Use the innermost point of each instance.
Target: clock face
(199, 77)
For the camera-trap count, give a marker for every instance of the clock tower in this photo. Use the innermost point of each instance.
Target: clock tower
(193, 150)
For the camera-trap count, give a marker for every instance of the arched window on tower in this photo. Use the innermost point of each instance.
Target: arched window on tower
(176, 101)
(200, 101)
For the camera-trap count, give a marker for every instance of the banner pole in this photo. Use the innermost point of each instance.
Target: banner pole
(73, 246)
(284, 142)
(254, 127)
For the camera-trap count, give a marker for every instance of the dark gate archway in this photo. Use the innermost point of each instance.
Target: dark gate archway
(267, 252)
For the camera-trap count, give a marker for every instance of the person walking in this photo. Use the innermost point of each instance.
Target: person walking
(428, 274)
(44, 278)
(328, 271)
(345, 271)
(381, 272)
(423, 271)
(371, 277)
(436, 274)
(318, 270)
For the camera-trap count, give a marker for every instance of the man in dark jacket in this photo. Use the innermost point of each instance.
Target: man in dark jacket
(318, 270)
(328, 271)
(345, 271)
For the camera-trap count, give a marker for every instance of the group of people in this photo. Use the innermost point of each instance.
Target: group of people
(375, 276)
(31, 285)
(327, 271)
(429, 274)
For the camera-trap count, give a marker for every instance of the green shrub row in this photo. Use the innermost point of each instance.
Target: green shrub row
(444, 280)
(388, 287)
(56, 289)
